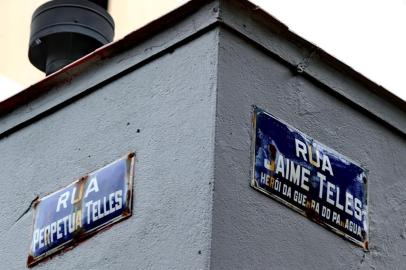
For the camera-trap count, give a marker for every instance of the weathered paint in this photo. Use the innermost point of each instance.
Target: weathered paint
(181, 95)
(68, 216)
(164, 110)
(309, 177)
(250, 231)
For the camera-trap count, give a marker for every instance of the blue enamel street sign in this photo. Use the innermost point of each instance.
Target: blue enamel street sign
(88, 205)
(310, 178)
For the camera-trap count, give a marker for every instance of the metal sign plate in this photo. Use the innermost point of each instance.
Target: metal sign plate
(86, 206)
(310, 178)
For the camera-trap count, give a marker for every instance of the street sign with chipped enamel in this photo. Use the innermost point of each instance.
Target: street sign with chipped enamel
(309, 177)
(97, 200)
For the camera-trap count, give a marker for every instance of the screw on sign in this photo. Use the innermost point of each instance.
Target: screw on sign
(81, 209)
(309, 177)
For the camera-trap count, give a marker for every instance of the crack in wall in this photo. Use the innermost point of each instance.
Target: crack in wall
(28, 209)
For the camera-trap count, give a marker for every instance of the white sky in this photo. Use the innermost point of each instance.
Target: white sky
(368, 35)
(8, 87)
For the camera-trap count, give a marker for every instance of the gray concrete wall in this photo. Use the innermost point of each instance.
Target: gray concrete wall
(165, 111)
(182, 99)
(252, 231)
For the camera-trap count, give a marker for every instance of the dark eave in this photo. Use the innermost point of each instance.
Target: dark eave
(249, 22)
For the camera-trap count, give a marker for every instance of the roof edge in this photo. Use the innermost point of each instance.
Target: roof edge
(278, 27)
(68, 72)
(267, 33)
(256, 22)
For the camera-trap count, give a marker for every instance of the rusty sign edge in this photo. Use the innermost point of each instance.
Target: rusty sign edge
(33, 261)
(256, 110)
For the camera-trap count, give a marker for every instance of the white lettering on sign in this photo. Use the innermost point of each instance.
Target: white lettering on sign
(114, 203)
(92, 187)
(95, 210)
(353, 206)
(291, 171)
(299, 175)
(305, 152)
